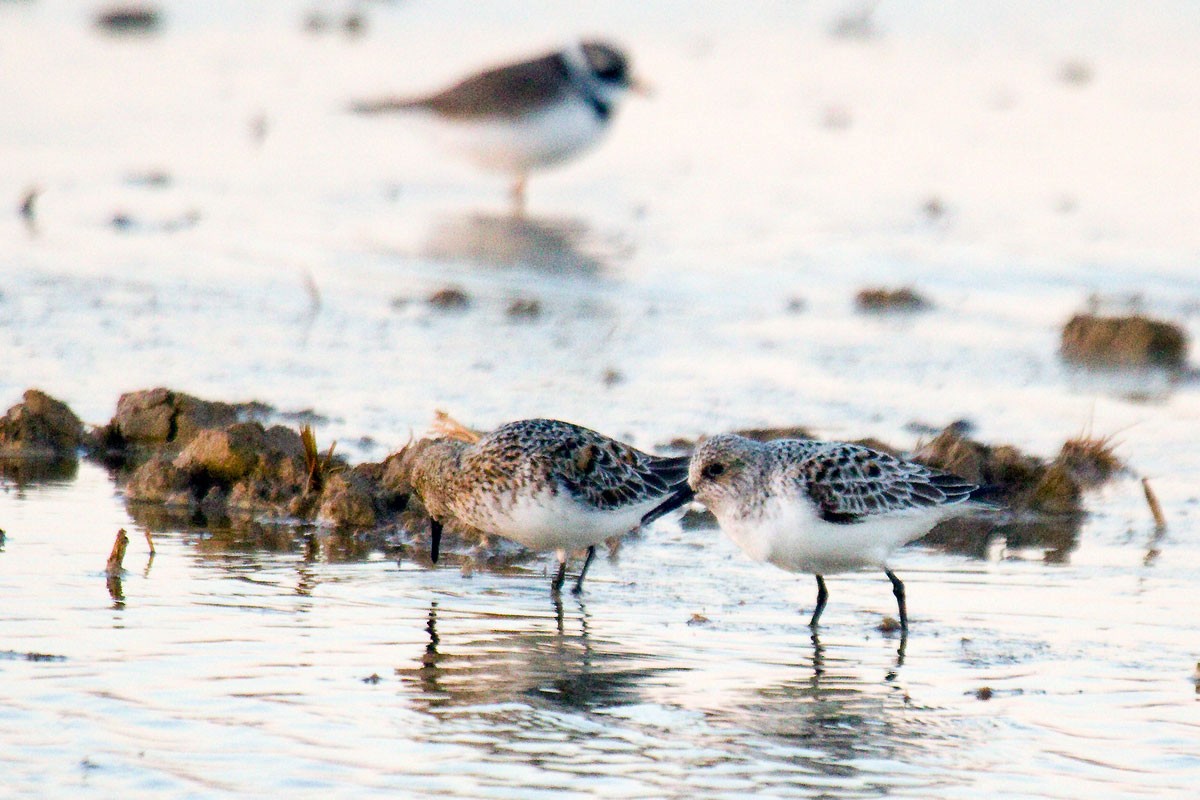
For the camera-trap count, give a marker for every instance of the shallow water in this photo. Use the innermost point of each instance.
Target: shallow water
(294, 663)
(258, 662)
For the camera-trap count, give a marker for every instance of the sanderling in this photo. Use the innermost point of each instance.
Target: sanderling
(528, 115)
(819, 507)
(545, 484)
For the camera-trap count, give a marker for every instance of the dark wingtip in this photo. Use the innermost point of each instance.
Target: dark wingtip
(991, 496)
(683, 494)
(671, 469)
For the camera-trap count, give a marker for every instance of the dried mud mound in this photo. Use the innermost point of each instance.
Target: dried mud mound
(40, 427)
(1128, 342)
(1040, 500)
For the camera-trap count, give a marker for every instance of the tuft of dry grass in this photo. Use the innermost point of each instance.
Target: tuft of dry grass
(1091, 460)
(316, 468)
(448, 427)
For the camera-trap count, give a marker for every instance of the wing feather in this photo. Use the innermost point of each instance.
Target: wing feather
(850, 482)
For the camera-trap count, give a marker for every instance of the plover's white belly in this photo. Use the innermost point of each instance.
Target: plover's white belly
(535, 140)
(548, 521)
(797, 540)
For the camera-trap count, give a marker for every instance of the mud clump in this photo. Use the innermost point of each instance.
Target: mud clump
(524, 308)
(224, 456)
(363, 497)
(1018, 481)
(131, 19)
(1039, 501)
(243, 468)
(245, 471)
(451, 298)
(1076, 72)
(40, 427)
(880, 300)
(159, 481)
(152, 419)
(1123, 342)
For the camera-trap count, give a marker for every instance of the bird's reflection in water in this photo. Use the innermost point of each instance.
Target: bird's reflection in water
(563, 246)
(833, 713)
(22, 472)
(1051, 537)
(551, 661)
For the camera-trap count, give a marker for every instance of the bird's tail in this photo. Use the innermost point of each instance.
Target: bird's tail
(991, 497)
(384, 105)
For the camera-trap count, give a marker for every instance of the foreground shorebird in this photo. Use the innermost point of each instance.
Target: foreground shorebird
(819, 507)
(529, 115)
(545, 484)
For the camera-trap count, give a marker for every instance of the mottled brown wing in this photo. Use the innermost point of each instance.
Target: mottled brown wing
(608, 474)
(508, 91)
(596, 470)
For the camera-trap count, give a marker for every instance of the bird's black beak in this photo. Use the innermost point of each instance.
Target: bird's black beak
(435, 539)
(675, 499)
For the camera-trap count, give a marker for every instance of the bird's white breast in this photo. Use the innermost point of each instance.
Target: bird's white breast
(553, 521)
(538, 139)
(790, 535)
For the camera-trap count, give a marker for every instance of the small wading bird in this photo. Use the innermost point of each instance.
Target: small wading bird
(521, 117)
(819, 507)
(545, 484)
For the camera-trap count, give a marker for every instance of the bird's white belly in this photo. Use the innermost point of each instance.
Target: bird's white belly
(800, 542)
(555, 521)
(536, 140)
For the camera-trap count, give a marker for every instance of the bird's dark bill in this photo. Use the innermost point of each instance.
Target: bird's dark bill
(679, 497)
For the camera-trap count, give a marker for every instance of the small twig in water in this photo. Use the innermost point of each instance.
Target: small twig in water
(150, 542)
(1160, 521)
(117, 556)
(314, 293)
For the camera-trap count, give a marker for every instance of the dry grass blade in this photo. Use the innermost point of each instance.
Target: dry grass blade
(447, 426)
(316, 468)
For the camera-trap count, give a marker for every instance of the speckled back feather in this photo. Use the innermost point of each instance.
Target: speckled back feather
(595, 469)
(850, 482)
(457, 478)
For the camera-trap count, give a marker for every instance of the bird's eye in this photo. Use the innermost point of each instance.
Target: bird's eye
(713, 470)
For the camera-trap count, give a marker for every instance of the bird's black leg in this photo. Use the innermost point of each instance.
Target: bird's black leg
(898, 590)
(822, 596)
(587, 562)
(557, 584)
(435, 539)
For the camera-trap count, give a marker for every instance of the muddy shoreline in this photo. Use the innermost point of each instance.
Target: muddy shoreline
(182, 462)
